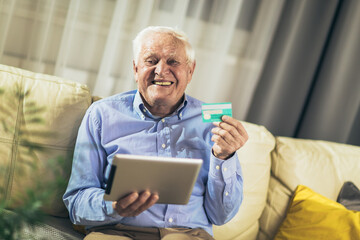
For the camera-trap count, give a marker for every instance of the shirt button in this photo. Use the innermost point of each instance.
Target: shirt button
(226, 193)
(163, 145)
(217, 167)
(225, 169)
(144, 110)
(171, 220)
(163, 120)
(180, 114)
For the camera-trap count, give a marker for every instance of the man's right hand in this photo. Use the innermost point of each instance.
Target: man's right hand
(134, 204)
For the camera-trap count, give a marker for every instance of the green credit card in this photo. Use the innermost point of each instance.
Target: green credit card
(212, 112)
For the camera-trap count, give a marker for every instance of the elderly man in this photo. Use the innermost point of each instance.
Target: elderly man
(157, 119)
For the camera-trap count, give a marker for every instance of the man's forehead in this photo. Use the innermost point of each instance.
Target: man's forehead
(156, 43)
(149, 53)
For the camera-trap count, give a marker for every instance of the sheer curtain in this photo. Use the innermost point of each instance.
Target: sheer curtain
(89, 41)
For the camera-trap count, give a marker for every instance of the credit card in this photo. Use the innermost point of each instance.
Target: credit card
(212, 112)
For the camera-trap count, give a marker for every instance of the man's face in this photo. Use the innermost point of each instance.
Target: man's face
(162, 72)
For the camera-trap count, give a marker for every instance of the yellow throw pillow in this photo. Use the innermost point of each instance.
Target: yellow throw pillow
(313, 216)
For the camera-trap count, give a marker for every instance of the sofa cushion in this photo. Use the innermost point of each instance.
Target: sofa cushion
(39, 116)
(323, 166)
(54, 228)
(255, 161)
(313, 216)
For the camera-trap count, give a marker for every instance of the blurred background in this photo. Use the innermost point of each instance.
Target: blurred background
(290, 65)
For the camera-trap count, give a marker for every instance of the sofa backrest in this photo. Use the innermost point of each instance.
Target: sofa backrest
(39, 119)
(320, 165)
(255, 159)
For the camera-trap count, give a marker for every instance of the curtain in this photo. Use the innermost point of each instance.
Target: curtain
(333, 110)
(90, 41)
(288, 65)
(310, 84)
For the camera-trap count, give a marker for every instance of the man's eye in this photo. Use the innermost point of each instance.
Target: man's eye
(173, 62)
(151, 61)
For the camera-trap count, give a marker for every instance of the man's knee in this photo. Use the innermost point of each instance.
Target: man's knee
(103, 236)
(176, 236)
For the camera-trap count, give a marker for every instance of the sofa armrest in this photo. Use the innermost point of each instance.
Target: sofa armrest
(255, 162)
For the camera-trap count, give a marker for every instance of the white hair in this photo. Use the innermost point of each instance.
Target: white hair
(176, 33)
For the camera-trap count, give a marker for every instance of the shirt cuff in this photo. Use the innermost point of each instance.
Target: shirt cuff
(109, 209)
(223, 168)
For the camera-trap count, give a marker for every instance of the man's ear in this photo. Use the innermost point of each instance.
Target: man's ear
(193, 67)
(135, 69)
(191, 70)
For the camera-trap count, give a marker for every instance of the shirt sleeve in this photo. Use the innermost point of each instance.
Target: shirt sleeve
(85, 191)
(224, 192)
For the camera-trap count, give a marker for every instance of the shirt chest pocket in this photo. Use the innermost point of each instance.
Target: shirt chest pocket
(135, 144)
(189, 152)
(191, 148)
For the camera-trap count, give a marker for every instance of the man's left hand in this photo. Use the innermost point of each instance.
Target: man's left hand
(229, 136)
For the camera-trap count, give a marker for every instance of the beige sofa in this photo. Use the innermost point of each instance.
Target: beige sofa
(272, 166)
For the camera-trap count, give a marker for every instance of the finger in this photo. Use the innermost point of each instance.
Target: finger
(235, 128)
(126, 201)
(235, 123)
(221, 148)
(236, 136)
(232, 125)
(224, 146)
(226, 135)
(133, 208)
(233, 131)
(150, 202)
(229, 120)
(140, 201)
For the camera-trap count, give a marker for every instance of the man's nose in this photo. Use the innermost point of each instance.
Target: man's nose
(161, 68)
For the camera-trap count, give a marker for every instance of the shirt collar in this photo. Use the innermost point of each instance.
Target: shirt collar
(143, 112)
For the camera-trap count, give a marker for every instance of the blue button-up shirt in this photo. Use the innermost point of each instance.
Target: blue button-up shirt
(122, 124)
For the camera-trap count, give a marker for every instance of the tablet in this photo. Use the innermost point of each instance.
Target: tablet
(171, 178)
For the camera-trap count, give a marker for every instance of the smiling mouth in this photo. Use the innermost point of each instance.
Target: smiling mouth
(162, 83)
